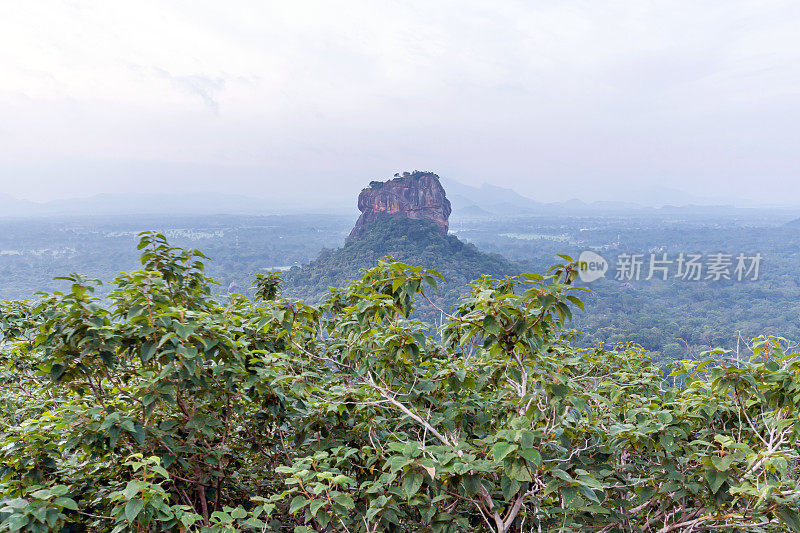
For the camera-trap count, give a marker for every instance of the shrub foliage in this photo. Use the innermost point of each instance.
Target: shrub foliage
(165, 409)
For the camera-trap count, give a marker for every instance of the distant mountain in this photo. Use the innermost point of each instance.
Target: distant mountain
(489, 201)
(474, 211)
(489, 198)
(189, 203)
(13, 207)
(486, 201)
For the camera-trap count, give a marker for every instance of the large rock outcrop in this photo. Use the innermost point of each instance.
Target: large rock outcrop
(416, 195)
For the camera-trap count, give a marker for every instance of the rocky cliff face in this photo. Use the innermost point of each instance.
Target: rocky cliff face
(413, 195)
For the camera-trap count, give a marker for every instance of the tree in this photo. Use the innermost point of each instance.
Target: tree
(165, 409)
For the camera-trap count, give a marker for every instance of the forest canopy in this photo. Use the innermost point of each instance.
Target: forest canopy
(417, 242)
(165, 408)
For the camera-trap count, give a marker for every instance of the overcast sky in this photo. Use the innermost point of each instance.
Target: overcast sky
(556, 99)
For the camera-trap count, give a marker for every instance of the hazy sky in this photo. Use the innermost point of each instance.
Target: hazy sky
(556, 99)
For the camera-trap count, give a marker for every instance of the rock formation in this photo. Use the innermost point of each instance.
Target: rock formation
(416, 195)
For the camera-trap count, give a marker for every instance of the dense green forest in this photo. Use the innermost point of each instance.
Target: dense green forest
(674, 318)
(164, 407)
(34, 251)
(671, 319)
(417, 242)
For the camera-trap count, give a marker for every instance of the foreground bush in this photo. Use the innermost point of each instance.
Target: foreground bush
(163, 409)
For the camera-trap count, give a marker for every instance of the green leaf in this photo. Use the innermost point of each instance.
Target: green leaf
(148, 350)
(519, 471)
(345, 500)
(532, 455)
(315, 506)
(397, 283)
(42, 494)
(66, 503)
(132, 509)
(472, 484)
(528, 439)
(298, 502)
(18, 522)
(570, 496)
(509, 486)
(430, 280)
(575, 300)
(133, 487)
(589, 481)
(188, 519)
(490, 325)
(56, 371)
(715, 479)
(501, 449)
(589, 493)
(324, 518)
(560, 474)
(789, 517)
(411, 483)
(723, 463)
(17, 503)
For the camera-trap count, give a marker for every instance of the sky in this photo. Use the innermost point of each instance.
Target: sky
(571, 99)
